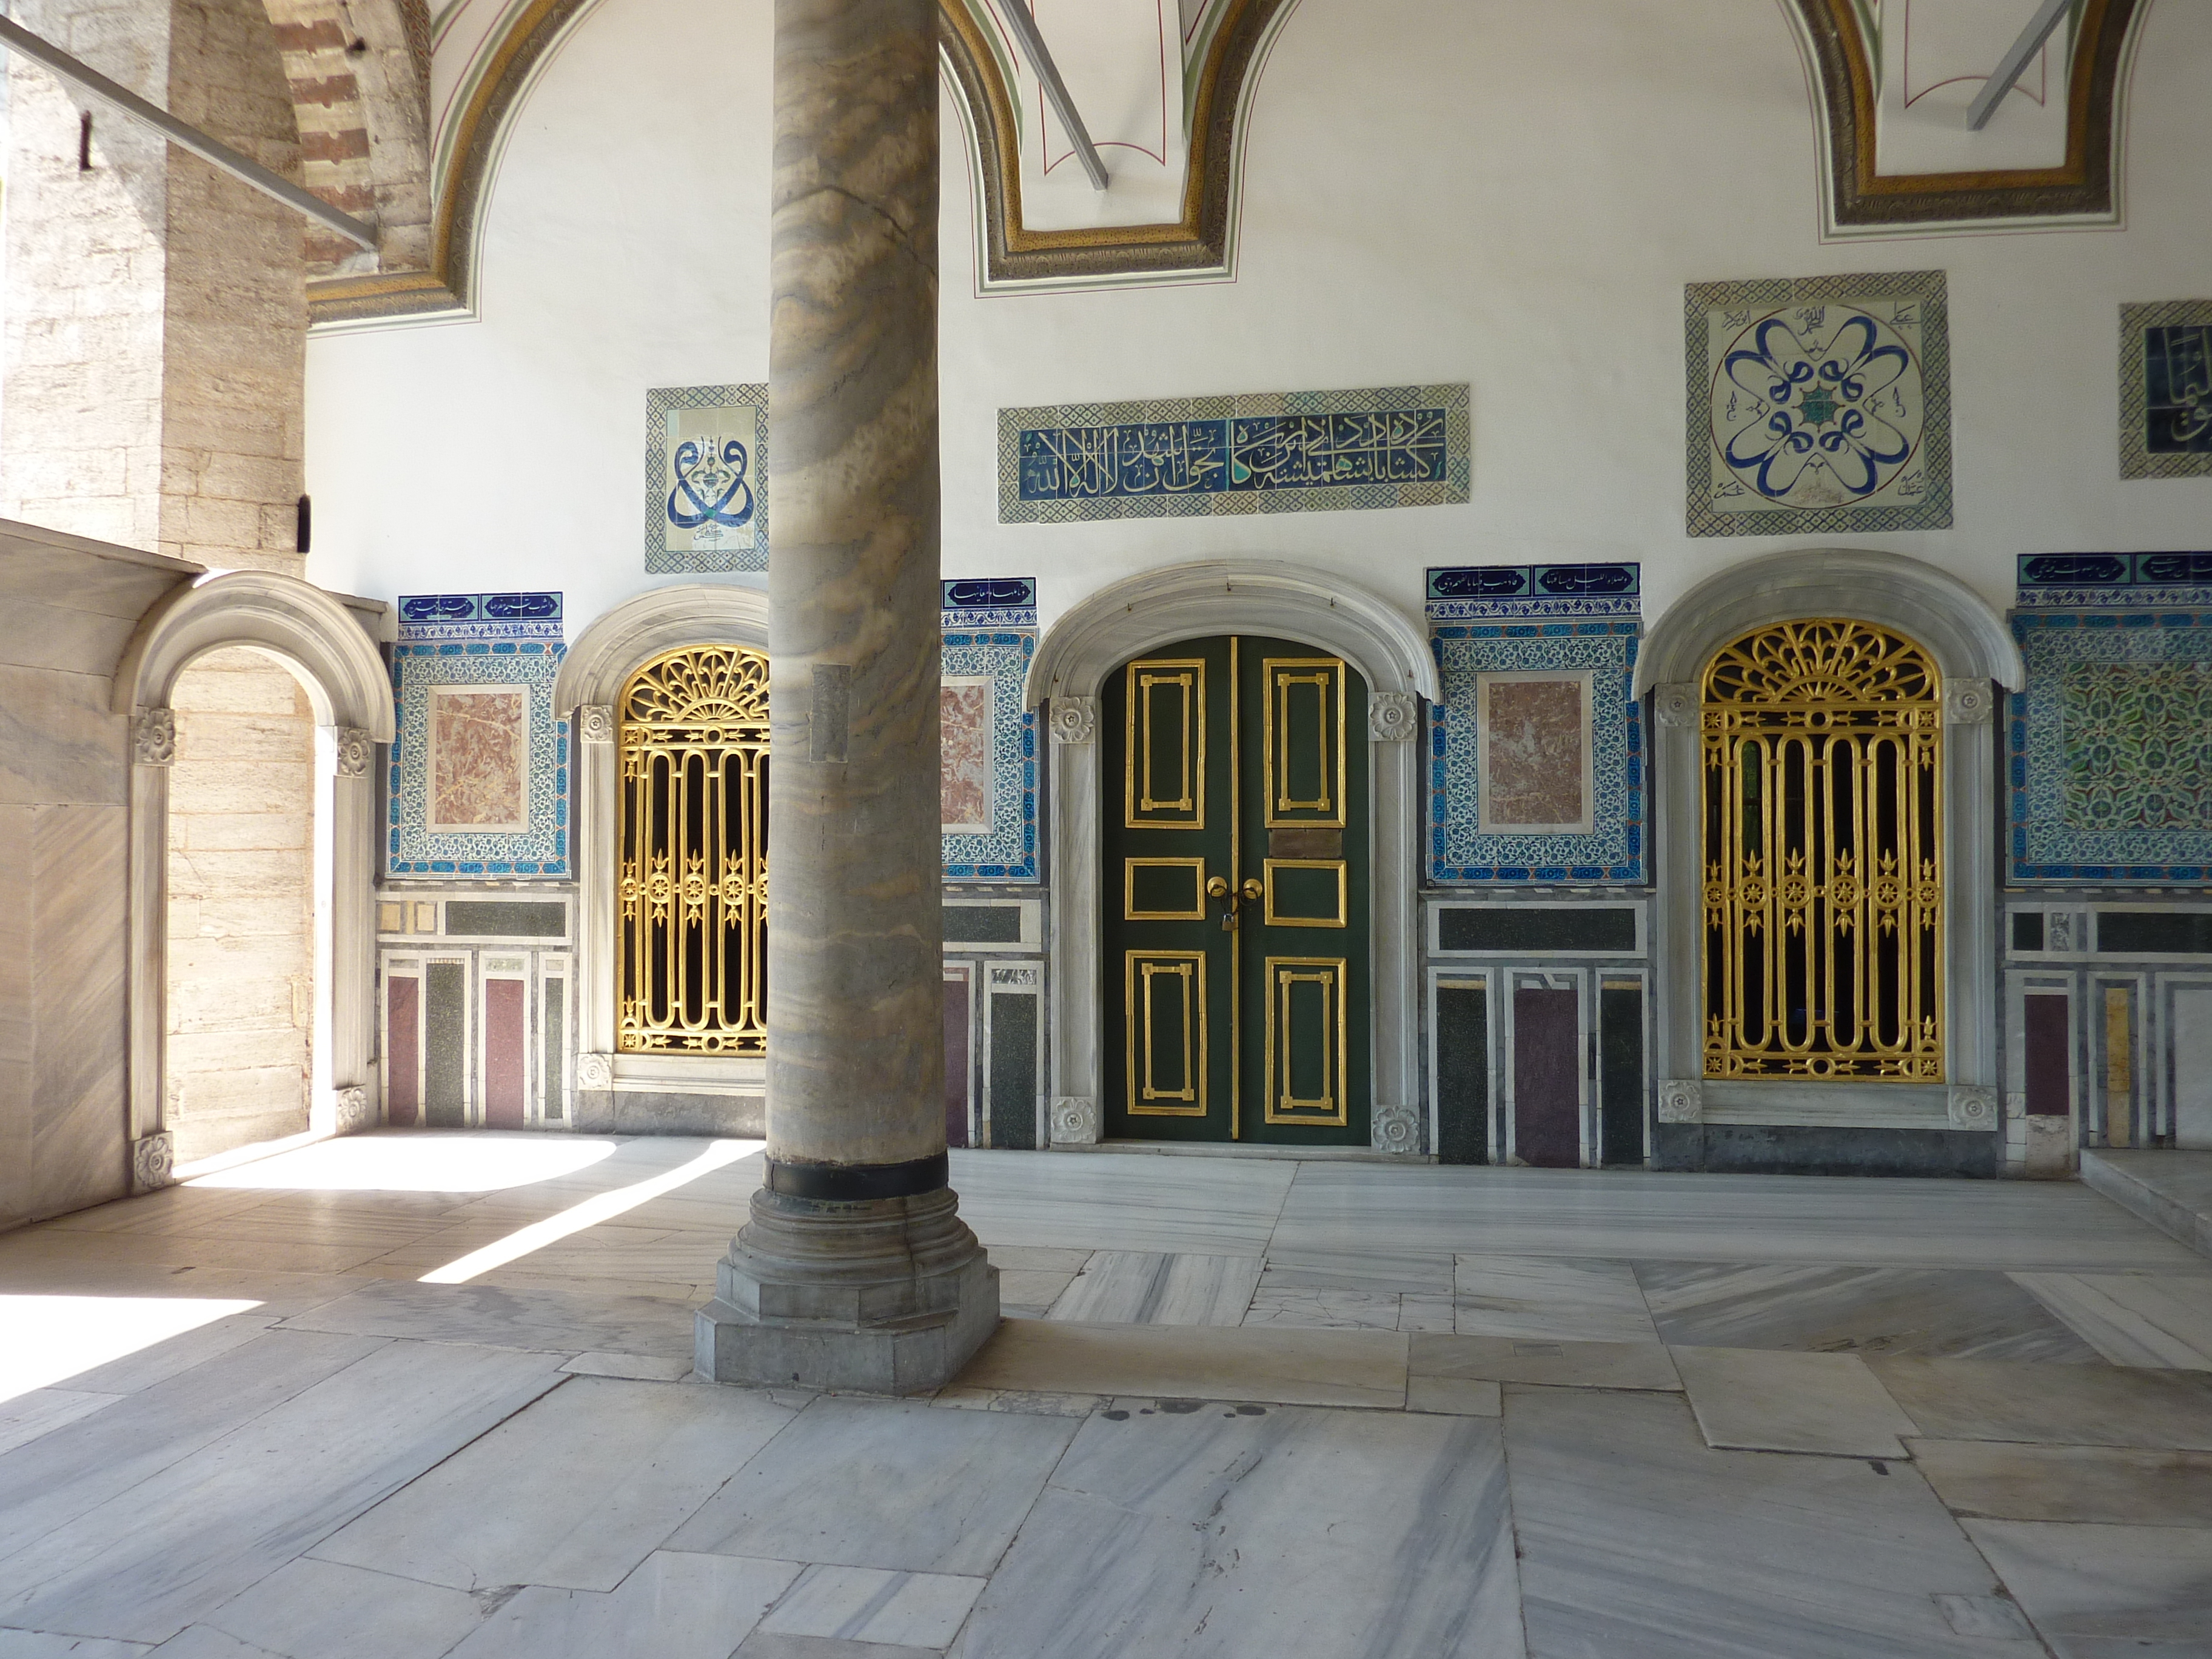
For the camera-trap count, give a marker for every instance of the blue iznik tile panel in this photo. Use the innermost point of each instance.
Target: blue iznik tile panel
(706, 479)
(2165, 389)
(2109, 749)
(1286, 452)
(1819, 404)
(1531, 621)
(478, 743)
(2104, 580)
(990, 740)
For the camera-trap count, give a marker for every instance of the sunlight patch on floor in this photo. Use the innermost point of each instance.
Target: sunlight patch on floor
(603, 1206)
(46, 1339)
(445, 1162)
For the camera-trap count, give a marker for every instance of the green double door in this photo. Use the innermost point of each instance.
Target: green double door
(1234, 881)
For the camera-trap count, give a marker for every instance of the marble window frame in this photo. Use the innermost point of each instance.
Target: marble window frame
(1972, 647)
(327, 646)
(1268, 597)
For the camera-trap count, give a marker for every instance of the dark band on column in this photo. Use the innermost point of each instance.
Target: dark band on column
(857, 1184)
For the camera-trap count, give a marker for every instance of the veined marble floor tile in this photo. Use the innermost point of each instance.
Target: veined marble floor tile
(1316, 1308)
(637, 1367)
(45, 1644)
(1902, 1310)
(2098, 1592)
(279, 1293)
(1637, 1539)
(589, 1480)
(892, 1483)
(26, 1250)
(170, 1210)
(1020, 1288)
(309, 1609)
(1196, 1361)
(1257, 1535)
(1460, 1396)
(1645, 1215)
(177, 1546)
(1037, 1259)
(612, 1250)
(1139, 1287)
(548, 1321)
(1766, 1400)
(28, 1415)
(2134, 1319)
(674, 1607)
(162, 1360)
(773, 1644)
(63, 1474)
(868, 1604)
(1383, 1272)
(205, 1641)
(1551, 1365)
(1122, 1202)
(1563, 1299)
(2063, 1405)
(2001, 1481)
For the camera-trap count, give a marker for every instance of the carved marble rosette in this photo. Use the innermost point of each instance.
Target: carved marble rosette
(1390, 716)
(1677, 705)
(1682, 1100)
(595, 723)
(1972, 1106)
(855, 1271)
(154, 737)
(1074, 719)
(1395, 1128)
(353, 1112)
(595, 1071)
(1967, 702)
(355, 749)
(1074, 1121)
(153, 1158)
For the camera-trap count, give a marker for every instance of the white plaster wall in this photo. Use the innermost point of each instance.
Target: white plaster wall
(1437, 189)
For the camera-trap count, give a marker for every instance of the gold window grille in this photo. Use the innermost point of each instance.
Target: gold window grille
(692, 889)
(1822, 854)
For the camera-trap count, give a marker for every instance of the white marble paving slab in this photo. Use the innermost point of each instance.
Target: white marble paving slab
(1390, 1272)
(2133, 1319)
(1546, 1363)
(1143, 1287)
(675, 1606)
(2001, 1481)
(51, 1480)
(1765, 1399)
(590, 1479)
(1457, 1396)
(773, 1644)
(1261, 1535)
(203, 1642)
(2062, 1404)
(1198, 1362)
(1317, 1307)
(1636, 1215)
(892, 1483)
(28, 1415)
(310, 1610)
(1638, 1540)
(1020, 1288)
(1563, 1299)
(45, 1644)
(179, 1353)
(638, 1367)
(1201, 1206)
(868, 1604)
(177, 1544)
(548, 1321)
(2100, 1590)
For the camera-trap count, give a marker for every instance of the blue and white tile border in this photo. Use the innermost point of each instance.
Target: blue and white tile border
(2103, 580)
(1451, 484)
(990, 632)
(478, 639)
(2039, 845)
(1524, 627)
(743, 553)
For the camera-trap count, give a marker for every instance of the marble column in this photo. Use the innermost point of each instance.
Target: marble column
(855, 1271)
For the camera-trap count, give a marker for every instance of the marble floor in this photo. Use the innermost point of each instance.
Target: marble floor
(404, 1396)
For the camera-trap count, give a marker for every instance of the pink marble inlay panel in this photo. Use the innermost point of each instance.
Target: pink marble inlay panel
(1535, 768)
(968, 792)
(480, 758)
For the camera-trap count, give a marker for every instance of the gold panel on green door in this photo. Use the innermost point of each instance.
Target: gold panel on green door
(1236, 895)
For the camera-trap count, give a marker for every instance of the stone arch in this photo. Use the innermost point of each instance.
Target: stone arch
(1230, 596)
(1975, 652)
(721, 1094)
(330, 653)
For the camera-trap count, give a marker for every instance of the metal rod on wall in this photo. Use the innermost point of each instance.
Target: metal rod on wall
(1024, 24)
(91, 82)
(2010, 66)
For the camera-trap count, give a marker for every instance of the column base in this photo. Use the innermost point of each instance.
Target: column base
(890, 1296)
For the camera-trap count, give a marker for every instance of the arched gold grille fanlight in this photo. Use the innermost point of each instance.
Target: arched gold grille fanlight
(1822, 771)
(692, 884)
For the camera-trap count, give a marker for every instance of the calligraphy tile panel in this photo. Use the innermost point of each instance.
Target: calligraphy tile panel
(2103, 580)
(2109, 749)
(1605, 747)
(990, 739)
(1818, 404)
(2166, 390)
(1295, 452)
(706, 479)
(479, 779)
